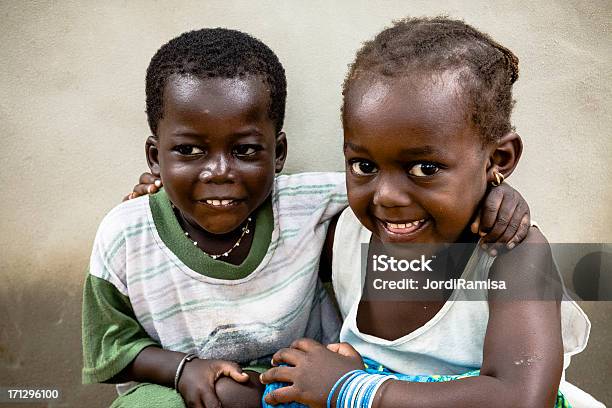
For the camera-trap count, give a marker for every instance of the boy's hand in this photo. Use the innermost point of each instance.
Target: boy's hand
(147, 184)
(197, 382)
(503, 220)
(313, 370)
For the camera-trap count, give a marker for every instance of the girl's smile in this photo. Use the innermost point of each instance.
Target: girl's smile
(416, 167)
(216, 151)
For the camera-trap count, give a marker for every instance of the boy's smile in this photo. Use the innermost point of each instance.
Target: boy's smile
(216, 151)
(415, 165)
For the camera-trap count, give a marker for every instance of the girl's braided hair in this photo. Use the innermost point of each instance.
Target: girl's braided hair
(439, 44)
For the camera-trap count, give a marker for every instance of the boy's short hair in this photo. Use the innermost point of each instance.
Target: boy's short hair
(437, 44)
(215, 52)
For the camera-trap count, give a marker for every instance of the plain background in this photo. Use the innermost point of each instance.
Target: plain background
(73, 131)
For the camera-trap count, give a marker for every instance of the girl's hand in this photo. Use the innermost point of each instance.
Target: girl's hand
(147, 184)
(197, 382)
(503, 220)
(313, 370)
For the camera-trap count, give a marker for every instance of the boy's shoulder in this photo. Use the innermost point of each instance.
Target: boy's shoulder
(306, 198)
(128, 215)
(311, 180)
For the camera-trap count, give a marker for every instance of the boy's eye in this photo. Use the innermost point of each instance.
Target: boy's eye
(246, 150)
(423, 169)
(188, 150)
(363, 168)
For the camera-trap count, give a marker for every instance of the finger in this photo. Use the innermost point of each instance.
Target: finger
(277, 374)
(305, 344)
(521, 233)
(152, 189)
(231, 369)
(288, 356)
(512, 228)
(344, 349)
(147, 178)
(193, 400)
(504, 215)
(490, 208)
(475, 224)
(335, 347)
(127, 197)
(140, 190)
(209, 396)
(281, 395)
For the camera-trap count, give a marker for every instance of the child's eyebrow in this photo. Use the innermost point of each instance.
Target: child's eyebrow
(421, 151)
(354, 147)
(413, 151)
(248, 132)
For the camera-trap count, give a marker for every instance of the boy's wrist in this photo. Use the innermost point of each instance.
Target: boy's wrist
(155, 365)
(180, 367)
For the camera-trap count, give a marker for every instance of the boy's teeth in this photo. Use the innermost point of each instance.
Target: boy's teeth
(219, 202)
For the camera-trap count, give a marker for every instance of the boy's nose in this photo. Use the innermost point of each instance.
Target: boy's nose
(217, 170)
(391, 191)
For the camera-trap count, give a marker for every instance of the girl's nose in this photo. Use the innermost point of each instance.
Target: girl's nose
(217, 170)
(391, 191)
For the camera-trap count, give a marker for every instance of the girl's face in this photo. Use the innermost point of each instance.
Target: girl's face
(217, 151)
(415, 165)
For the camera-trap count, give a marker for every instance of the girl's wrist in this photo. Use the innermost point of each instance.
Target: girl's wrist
(357, 388)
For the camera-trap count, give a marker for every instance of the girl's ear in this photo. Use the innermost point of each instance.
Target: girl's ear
(281, 151)
(505, 156)
(152, 155)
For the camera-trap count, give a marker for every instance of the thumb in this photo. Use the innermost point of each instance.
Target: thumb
(476, 224)
(344, 349)
(233, 370)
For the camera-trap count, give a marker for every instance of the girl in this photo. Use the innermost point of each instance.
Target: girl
(426, 118)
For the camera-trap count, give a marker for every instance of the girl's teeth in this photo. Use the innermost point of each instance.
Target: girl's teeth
(407, 225)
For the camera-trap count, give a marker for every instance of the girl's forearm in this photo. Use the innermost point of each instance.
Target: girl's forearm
(152, 364)
(481, 391)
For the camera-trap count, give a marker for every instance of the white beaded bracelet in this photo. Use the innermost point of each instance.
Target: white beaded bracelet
(181, 366)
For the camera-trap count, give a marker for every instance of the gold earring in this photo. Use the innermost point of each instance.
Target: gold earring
(499, 178)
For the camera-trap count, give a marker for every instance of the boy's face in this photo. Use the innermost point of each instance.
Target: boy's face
(415, 166)
(217, 150)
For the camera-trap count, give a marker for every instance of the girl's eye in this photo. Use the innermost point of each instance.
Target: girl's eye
(188, 150)
(423, 169)
(363, 168)
(246, 150)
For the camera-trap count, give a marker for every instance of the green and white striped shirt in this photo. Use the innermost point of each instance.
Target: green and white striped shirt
(148, 284)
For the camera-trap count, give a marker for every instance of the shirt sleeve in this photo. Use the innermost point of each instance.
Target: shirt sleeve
(111, 335)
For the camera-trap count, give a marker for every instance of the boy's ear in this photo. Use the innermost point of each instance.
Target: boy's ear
(152, 155)
(505, 156)
(280, 151)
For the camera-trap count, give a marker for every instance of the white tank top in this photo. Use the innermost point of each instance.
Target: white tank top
(452, 341)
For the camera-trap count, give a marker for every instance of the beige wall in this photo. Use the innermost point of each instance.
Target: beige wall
(73, 127)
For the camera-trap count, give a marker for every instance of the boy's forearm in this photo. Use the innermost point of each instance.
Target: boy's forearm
(152, 364)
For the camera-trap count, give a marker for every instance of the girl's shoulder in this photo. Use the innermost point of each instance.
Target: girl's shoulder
(529, 269)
